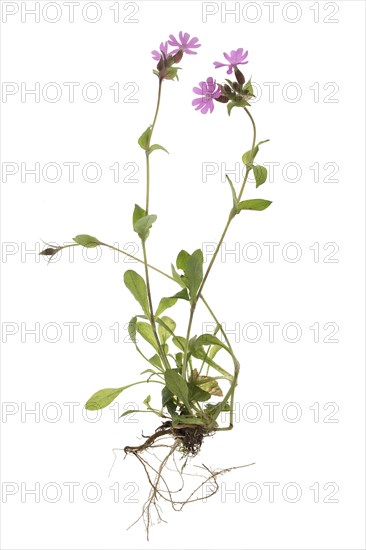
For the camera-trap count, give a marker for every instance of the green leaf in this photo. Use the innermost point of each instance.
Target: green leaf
(177, 278)
(156, 146)
(103, 398)
(194, 273)
(177, 385)
(197, 394)
(136, 285)
(180, 342)
(260, 174)
(145, 330)
(167, 399)
(143, 225)
(232, 104)
(171, 73)
(138, 213)
(166, 396)
(156, 362)
(132, 329)
(179, 360)
(182, 259)
(147, 401)
(166, 328)
(130, 411)
(144, 139)
(235, 198)
(213, 351)
(202, 355)
(87, 241)
(166, 303)
(209, 340)
(248, 158)
(254, 204)
(248, 89)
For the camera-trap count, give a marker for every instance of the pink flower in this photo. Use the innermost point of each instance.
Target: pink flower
(236, 57)
(186, 44)
(163, 48)
(208, 90)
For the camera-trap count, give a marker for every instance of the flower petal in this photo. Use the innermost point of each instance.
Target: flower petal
(173, 41)
(206, 107)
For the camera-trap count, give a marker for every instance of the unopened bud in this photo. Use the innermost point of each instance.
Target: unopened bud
(50, 251)
(178, 56)
(239, 76)
(222, 99)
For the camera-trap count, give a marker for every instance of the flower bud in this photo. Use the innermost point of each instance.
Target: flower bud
(50, 251)
(178, 56)
(222, 99)
(160, 64)
(239, 76)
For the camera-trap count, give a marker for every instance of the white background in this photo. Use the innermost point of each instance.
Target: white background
(191, 213)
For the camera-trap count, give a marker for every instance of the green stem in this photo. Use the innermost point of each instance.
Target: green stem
(230, 218)
(148, 146)
(231, 215)
(148, 286)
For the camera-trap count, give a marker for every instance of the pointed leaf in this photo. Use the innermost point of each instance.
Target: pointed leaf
(248, 158)
(166, 328)
(103, 398)
(177, 278)
(138, 213)
(194, 272)
(180, 342)
(177, 385)
(143, 225)
(144, 139)
(254, 204)
(166, 303)
(233, 192)
(87, 241)
(145, 330)
(156, 362)
(136, 285)
(248, 89)
(202, 355)
(132, 329)
(156, 146)
(209, 340)
(260, 174)
(182, 260)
